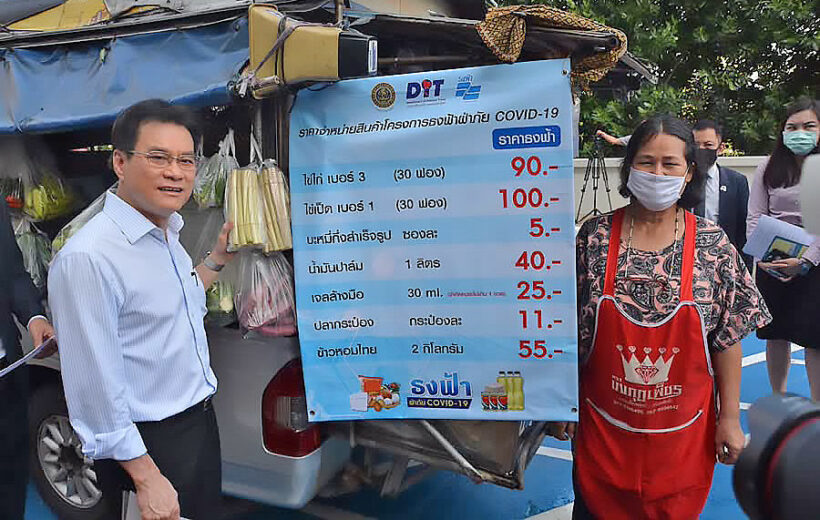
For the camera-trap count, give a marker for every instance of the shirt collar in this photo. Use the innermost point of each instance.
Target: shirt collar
(713, 171)
(131, 222)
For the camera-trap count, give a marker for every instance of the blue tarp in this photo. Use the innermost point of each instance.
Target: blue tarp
(85, 85)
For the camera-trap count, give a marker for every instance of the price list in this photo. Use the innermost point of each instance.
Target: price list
(434, 245)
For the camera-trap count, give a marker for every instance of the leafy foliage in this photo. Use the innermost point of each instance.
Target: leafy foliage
(737, 61)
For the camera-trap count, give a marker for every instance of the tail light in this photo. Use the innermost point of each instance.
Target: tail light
(285, 426)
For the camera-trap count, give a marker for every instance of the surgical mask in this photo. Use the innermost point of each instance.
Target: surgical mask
(655, 192)
(705, 158)
(800, 142)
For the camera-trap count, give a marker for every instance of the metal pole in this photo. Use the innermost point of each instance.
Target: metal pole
(340, 11)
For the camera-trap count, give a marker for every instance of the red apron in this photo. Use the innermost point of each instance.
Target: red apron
(646, 430)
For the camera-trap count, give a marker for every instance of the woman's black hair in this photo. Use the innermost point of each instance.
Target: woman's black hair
(669, 125)
(782, 170)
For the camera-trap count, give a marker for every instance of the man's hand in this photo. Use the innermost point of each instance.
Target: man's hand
(156, 497)
(729, 440)
(40, 330)
(611, 139)
(563, 430)
(219, 253)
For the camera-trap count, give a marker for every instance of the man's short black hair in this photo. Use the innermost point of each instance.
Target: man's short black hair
(126, 128)
(706, 124)
(669, 125)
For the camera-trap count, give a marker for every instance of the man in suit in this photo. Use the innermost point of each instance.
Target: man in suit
(726, 190)
(18, 297)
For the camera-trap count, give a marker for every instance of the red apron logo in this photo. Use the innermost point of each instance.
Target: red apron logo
(646, 372)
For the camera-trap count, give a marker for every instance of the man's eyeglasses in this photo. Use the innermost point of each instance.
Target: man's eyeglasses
(164, 160)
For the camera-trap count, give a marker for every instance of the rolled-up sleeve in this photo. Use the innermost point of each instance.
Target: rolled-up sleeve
(84, 300)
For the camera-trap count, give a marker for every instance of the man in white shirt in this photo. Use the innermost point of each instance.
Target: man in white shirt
(726, 191)
(129, 309)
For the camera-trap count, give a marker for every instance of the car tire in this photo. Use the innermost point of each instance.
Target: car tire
(63, 476)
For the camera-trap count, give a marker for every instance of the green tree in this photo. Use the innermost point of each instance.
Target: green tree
(739, 61)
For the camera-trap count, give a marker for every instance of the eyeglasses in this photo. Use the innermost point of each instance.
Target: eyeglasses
(164, 160)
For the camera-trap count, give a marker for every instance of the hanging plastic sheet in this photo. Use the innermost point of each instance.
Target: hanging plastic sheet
(70, 87)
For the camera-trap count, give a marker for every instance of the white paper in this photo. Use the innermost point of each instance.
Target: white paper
(23, 360)
(810, 194)
(769, 228)
(358, 402)
(132, 508)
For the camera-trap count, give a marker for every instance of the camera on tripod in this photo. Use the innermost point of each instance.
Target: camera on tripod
(596, 170)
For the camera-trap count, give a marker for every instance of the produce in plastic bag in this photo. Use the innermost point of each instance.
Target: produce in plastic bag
(212, 176)
(36, 250)
(219, 296)
(11, 190)
(244, 205)
(80, 220)
(30, 179)
(48, 199)
(276, 200)
(265, 301)
(219, 301)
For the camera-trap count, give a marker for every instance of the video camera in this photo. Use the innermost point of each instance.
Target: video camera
(774, 477)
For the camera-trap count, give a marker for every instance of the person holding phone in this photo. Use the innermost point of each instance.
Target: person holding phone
(790, 286)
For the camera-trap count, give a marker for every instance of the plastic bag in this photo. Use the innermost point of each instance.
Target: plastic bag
(220, 295)
(48, 199)
(276, 198)
(30, 179)
(36, 250)
(212, 175)
(80, 220)
(244, 205)
(265, 301)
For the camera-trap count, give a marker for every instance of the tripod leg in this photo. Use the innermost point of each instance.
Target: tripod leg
(583, 189)
(605, 175)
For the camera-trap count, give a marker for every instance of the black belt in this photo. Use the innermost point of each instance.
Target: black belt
(200, 407)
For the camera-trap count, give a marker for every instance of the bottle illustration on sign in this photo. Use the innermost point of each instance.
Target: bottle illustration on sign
(506, 394)
(375, 395)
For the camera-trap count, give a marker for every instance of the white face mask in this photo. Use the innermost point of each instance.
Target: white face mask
(655, 192)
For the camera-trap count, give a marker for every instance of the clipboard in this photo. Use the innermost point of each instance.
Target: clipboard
(131, 508)
(23, 360)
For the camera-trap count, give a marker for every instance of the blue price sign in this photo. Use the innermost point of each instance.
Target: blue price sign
(434, 245)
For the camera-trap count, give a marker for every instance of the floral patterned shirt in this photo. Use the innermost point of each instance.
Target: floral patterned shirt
(724, 291)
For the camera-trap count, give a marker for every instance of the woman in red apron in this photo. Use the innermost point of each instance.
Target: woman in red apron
(664, 300)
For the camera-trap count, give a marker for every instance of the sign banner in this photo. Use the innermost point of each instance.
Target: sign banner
(434, 245)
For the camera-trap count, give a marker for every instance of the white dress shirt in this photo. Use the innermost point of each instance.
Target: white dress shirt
(712, 204)
(129, 313)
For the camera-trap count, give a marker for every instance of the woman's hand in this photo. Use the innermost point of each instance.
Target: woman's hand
(781, 269)
(729, 439)
(563, 431)
(789, 266)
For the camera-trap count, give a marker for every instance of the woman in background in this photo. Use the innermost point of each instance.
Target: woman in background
(790, 286)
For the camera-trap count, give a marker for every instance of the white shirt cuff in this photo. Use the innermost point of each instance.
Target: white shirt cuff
(38, 317)
(125, 444)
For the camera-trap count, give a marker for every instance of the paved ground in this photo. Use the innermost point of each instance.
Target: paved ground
(548, 492)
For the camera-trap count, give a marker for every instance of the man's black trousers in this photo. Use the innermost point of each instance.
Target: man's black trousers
(14, 447)
(185, 447)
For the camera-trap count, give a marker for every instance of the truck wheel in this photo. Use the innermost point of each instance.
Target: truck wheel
(64, 477)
